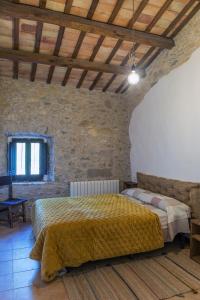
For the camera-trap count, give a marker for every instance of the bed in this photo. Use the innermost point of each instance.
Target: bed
(73, 230)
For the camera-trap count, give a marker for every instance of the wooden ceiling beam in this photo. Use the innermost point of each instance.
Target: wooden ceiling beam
(101, 39)
(157, 17)
(119, 43)
(123, 63)
(56, 52)
(79, 23)
(15, 34)
(145, 64)
(92, 57)
(38, 58)
(177, 30)
(15, 46)
(187, 19)
(80, 40)
(68, 5)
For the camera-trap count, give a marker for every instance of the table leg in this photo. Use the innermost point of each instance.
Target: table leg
(24, 212)
(10, 217)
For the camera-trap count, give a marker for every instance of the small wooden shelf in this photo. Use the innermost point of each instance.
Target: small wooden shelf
(195, 240)
(196, 237)
(195, 222)
(196, 258)
(129, 184)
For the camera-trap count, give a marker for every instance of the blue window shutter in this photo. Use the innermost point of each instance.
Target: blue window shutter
(12, 159)
(43, 158)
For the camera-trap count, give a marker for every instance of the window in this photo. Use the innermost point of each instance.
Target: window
(27, 159)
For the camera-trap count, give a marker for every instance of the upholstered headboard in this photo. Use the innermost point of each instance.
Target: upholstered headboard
(187, 192)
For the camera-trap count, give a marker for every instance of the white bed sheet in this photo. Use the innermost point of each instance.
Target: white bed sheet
(161, 214)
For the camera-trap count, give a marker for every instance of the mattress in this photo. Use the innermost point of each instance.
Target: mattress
(160, 213)
(182, 226)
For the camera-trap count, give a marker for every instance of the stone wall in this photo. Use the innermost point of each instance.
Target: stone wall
(90, 131)
(186, 42)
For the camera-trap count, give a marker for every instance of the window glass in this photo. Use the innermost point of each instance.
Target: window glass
(35, 158)
(20, 159)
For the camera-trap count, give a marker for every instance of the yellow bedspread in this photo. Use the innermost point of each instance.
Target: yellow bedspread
(71, 231)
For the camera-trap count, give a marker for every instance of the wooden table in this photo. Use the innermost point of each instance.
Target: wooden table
(129, 184)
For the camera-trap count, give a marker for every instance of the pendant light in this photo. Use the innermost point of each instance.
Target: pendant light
(133, 77)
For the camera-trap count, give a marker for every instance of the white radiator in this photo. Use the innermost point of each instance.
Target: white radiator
(84, 188)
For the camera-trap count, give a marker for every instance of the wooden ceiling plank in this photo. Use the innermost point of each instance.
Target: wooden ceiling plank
(152, 49)
(96, 49)
(172, 25)
(45, 59)
(146, 55)
(109, 83)
(97, 78)
(177, 30)
(119, 43)
(159, 14)
(83, 24)
(15, 38)
(68, 5)
(140, 71)
(80, 40)
(185, 9)
(157, 17)
(38, 35)
(152, 58)
(121, 86)
(125, 89)
(114, 50)
(56, 52)
(112, 17)
(186, 20)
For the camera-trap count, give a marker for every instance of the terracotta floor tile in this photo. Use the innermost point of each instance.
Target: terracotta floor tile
(25, 293)
(25, 264)
(7, 295)
(6, 267)
(23, 244)
(21, 253)
(27, 278)
(21, 235)
(5, 244)
(53, 291)
(6, 282)
(6, 255)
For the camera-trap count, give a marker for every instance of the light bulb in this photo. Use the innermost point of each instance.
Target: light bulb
(133, 77)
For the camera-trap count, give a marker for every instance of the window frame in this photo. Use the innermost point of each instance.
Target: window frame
(43, 163)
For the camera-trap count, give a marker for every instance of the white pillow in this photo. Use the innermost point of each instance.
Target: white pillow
(160, 201)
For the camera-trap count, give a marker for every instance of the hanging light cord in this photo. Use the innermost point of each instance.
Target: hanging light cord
(133, 77)
(132, 52)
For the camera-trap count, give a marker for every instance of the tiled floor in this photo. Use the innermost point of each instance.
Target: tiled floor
(20, 275)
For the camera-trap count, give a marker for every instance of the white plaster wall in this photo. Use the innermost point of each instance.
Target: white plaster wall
(165, 127)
